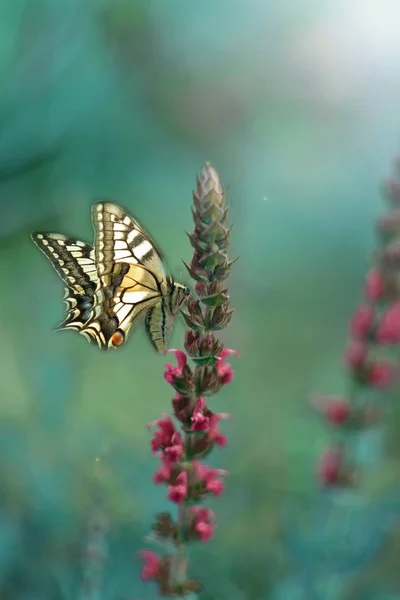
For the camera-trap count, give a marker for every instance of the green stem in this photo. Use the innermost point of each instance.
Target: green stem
(179, 571)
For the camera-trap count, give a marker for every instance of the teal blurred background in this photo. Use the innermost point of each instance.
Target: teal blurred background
(297, 107)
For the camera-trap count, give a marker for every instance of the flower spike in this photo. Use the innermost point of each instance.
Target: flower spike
(182, 443)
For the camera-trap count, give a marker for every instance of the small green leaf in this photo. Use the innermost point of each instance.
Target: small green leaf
(216, 299)
(191, 324)
(202, 361)
(197, 274)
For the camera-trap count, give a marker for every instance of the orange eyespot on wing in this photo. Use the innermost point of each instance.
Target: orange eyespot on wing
(118, 338)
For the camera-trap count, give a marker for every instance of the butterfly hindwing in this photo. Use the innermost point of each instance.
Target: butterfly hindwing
(159, 324)
(74, 262)
(160, 318)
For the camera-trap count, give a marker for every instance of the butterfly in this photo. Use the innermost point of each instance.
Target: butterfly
(110, 285)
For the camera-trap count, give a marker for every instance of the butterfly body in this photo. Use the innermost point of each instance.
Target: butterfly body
(113, 284)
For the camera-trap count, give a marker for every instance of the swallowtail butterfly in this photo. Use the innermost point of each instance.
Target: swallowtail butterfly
(118, 280)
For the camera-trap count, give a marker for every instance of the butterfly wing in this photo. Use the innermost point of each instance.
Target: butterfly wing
(74, 262)
(161, 317)
(131, 275)
(159, 326)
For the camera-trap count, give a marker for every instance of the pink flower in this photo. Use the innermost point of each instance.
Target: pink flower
(178, 491)
(214, 433)
(200, 422)
(203, 522)
(164, 471)
(175, 449)
(224, 371)
(163, 436)
(172, 372)
(362, 321)
(336, 409)
(356, 354)
(374, 287)
(380, 374)
(330, 467)
(210, 478)
(151, 565)
(388, 331)
(167, 438)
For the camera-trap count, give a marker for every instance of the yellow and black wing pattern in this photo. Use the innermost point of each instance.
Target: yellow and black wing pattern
(74, 262)
(128, 281)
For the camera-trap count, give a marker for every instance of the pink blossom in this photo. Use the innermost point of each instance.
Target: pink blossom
(362, 321)
(172, 372)
(330, 467)
(374, 287)
(167, 438)
(200, 422)
(380, 374)
(388, 331)
(203, 522)
(356, 354)
(214, 433)
(175, 449)
(164, 471)
(336, 409)
(178, 491)
(163, 436)
(210, 478)
(151, 565)
(224, 371)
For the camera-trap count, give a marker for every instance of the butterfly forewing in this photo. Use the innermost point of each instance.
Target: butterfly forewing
(131, 275)
(74, 262)
(119, 238)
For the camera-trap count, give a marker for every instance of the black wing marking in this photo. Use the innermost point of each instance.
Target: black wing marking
(74, 262)
(120, 239)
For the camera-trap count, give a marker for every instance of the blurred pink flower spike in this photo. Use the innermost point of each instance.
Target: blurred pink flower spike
(151, 567)
(336, 409)
(388, 331)
(331, 471)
